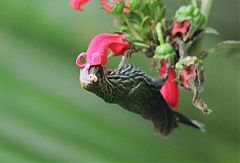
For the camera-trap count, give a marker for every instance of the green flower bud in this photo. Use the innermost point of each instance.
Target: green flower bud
(187, 62)
(178, 66)
(189, 10)
(181, 10)
(196, 12)
(191, 13)
(169, 48)
(164, 51)
(134, 4)
(117, 8)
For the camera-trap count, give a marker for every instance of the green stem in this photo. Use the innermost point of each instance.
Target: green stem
(110, 55)
(206, 7)
(159, 33)
(194, 3)
(132, 29)
(141, 45)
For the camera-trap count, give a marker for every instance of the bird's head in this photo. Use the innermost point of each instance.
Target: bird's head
(90, 77)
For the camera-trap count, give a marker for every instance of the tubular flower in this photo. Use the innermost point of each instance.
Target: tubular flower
(181, 27)
(126, 10)
(77, 4)
(187, 74)
(97, 52)
(190, 69)
(191, 13)
(107, 5)
(116, 6)
(169, 91)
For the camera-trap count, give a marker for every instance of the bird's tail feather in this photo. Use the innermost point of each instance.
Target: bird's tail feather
(193, 123)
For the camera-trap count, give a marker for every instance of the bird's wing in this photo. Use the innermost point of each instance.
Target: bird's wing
(153, 107)
(142, 95)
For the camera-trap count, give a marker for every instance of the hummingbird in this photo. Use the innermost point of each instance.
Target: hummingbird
(134, 90)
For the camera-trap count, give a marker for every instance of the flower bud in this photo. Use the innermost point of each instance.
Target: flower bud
(164, 51)
(190, 68)
(191, 13)
(117, 8)
(133, 4)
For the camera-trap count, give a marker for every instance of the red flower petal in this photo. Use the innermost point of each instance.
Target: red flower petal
(186, 74)
(119, 48)
(77, 4)
(180, 27)
(98, 49)
(169, 91)
(126, 10)
(107, 5)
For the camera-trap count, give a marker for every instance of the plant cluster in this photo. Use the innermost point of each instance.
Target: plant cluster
(142, 27)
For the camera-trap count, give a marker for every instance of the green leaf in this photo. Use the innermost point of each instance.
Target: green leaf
(210, 30)
(228, 48)
(199, 48)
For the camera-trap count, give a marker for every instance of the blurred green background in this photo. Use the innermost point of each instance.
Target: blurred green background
(46, 116)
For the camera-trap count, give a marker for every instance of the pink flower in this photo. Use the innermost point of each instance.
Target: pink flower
(126, 10)
(77, 4)
(108, 5)
(181, 27)
(186, 74)
(169, 91)
(98, 49)
(97, 52)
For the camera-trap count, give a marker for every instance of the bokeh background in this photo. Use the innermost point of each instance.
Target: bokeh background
(46, 116)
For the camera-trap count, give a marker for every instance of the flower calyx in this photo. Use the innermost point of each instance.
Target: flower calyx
(187, 20)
